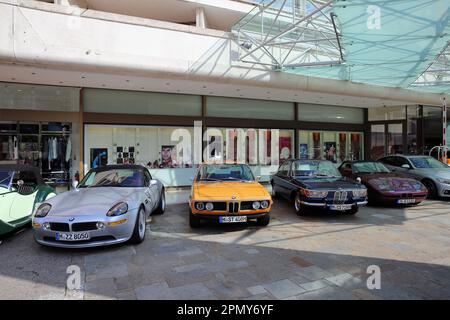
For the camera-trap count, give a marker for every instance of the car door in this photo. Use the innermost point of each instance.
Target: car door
(281, 179)
(148, 201)
(153, 189)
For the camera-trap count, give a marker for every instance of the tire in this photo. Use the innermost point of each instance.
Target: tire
(299, 208)
(194, 222)
(352, 211)
(431, 187)
(263, 221)
(273, 193)
(162, 204)
(139, 231)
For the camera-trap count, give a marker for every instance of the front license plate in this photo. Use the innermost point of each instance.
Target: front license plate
(232, 219)
(73, 236)
(341, 207)
(406, 201)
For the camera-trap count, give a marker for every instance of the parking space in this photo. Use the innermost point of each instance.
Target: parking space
(319, 256)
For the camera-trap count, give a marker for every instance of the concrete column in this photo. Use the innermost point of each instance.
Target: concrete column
(200, 18)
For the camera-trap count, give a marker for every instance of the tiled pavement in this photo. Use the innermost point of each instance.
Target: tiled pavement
(322, 256)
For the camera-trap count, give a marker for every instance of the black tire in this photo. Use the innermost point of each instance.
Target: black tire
(137, 237)
(263, 221)
(431, 187)
(352, 211)
(299, 208)
(273, 193)
(194, 222)
(162, 204)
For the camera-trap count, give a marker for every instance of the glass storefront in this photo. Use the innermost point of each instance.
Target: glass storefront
(252, 146)
(331, 145)
(154, 147)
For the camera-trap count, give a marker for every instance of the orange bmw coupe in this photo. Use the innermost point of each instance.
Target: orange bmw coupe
(228, 193)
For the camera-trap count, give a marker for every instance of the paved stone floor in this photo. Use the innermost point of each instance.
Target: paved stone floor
(320, 256)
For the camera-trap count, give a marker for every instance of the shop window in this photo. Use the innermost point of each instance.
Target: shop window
(137, 102)
(39, 97)
(387, 113)
(432, 124)
(248, 108)
(330, 145)
(331, 114)
(150, 146)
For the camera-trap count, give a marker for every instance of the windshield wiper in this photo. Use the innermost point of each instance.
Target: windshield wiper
(211, 179)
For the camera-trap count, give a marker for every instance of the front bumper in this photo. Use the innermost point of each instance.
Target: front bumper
(443, 190)
(331, 206)
(216, 217)
(111, 234)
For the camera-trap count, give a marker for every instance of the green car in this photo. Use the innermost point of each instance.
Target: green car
(21, 189)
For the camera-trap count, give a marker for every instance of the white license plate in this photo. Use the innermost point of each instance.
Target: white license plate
(406, 201)
(232, 219)
(73, 236)
(340, 207)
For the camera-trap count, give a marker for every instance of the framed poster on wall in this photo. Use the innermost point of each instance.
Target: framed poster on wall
(99, 157)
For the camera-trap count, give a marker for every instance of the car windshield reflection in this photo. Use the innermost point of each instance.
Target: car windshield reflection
(113, 178)
(220, 173)
(304, 168)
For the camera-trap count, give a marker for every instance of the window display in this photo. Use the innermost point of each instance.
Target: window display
(46, 145)
(154, 147)
(329, 145)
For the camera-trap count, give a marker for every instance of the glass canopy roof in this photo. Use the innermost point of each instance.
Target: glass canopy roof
(395, 43)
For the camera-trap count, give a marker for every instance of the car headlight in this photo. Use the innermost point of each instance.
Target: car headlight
(443, 180)
(264, 204)
(209, 206)
(315, 193)
(256, 205)
(118, 210)
(200, 206)
(360, 193)
(43, 210)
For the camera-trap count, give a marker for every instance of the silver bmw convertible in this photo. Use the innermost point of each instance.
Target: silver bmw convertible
(110, 205)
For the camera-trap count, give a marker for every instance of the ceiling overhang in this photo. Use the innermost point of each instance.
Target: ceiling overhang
(395, 43)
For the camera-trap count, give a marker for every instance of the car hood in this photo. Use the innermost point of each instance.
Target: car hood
(329, 183)
(92, 201)
(395, 183)
(228, 190)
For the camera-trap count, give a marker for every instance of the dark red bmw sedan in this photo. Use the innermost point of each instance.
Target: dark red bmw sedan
(384, 186)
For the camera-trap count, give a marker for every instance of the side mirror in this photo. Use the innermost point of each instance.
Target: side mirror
(406, 166)
(358, 180)
(153, 183)
(75, 184)
(258, 178)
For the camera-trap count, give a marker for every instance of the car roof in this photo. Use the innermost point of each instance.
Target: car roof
(119, 167)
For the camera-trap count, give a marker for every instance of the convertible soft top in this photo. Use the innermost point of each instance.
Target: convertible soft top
(24, 167)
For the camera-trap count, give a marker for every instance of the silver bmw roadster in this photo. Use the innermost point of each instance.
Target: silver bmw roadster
(110, 205)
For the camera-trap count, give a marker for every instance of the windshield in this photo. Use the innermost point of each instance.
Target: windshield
(370, 167)
(427, 162)
(304, 168)
(5, 179)
(113, 178)
(225, 173)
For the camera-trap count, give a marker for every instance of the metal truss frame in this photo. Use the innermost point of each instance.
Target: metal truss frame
(282, 34)
(437, 72)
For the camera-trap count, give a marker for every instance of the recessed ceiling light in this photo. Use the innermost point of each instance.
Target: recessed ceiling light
(204, 87)
(238, 89)
(13, 78)
(127, 80)
(142, 88)
(83, 77)
(103, 85)
(167, 83)
(33, 73)
(61, 82)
